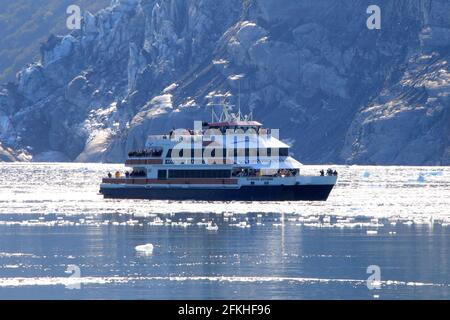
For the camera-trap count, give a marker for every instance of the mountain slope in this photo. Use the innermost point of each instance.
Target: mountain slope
(24, 24)
(338, 91)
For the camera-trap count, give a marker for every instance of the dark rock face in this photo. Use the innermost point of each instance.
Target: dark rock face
(25, 24)
(338, 91)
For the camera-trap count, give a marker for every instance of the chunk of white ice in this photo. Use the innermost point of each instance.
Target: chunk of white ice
(421, 178)
(212, 227)
(145, 248)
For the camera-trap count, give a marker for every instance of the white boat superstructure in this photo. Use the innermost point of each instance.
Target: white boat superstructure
(231, 158)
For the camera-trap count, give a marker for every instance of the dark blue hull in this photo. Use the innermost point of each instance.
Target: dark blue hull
(245, 193)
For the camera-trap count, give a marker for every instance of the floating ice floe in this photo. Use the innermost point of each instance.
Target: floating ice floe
(277, 225)
(157, 222)
(212, 227)
(346, 206)
(16, 254)
(372, 232)
(144, 215)
(242, 224)
(421, 178)
(180, 224)
(310, 219)
(145, 248)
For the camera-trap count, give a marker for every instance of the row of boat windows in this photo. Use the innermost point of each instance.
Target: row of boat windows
(223, 174)
(177, 174)
(282, 152)
(154, 152)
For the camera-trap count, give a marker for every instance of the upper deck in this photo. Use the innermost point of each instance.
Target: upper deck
(228, 139)
(233, 124)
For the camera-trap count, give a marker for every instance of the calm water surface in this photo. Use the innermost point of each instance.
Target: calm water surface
(60, 239)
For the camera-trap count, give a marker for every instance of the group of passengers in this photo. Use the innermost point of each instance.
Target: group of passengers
(133, 174)
(116, 175)
(287, 173)
(145, 153)
(246, 173)
(330, 172)
(256, 173)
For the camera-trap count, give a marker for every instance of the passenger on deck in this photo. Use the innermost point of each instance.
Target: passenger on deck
(109, 175)
(322, 173)
(335, 173)
(127, 174)
(117, 174)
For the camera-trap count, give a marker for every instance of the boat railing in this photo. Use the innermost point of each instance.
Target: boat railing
(175, 138)
(185, 181)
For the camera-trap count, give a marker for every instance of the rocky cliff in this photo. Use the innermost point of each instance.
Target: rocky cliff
(338, 91)
(25, 24)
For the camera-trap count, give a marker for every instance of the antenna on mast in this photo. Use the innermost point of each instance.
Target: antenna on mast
(226, 108)
(238, 77)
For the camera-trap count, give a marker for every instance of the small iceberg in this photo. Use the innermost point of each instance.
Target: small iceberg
(212, 227)
(372, 232)
(421, 178)
(146, 249)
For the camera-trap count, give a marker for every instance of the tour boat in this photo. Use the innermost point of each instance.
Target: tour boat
(231, 158)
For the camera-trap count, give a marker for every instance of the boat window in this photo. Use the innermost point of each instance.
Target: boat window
(199, 173)
(138, 173)
(162, 174)
(284, 152)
